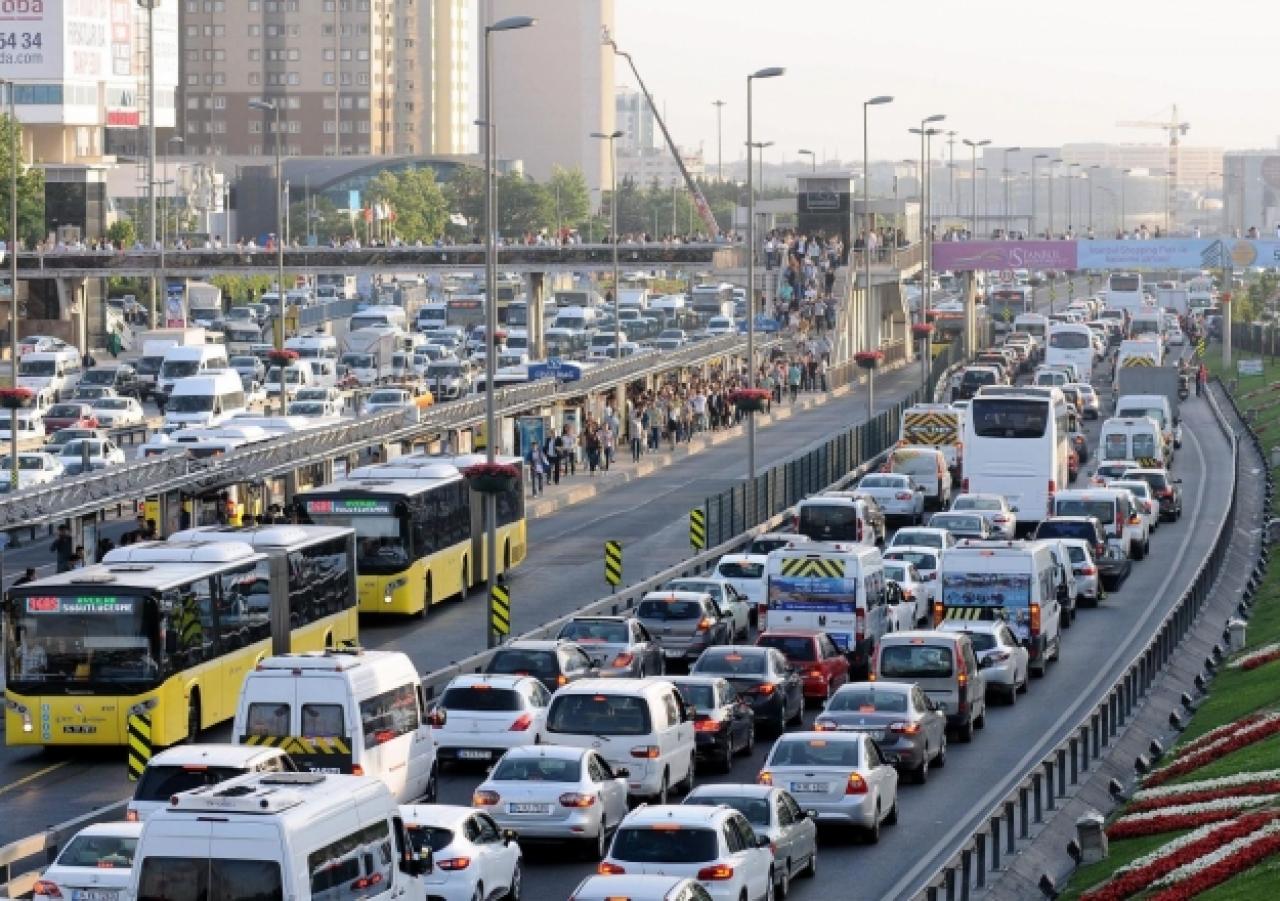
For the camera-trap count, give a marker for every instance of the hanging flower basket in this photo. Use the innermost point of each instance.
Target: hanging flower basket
(282, 358)
(750, 400)
(868, 359)
(15, 398)
(491, 478)
(499, 337)
(922, 329)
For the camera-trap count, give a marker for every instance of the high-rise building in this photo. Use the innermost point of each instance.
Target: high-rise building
(553, 85)
(451, 62)
(634, 118)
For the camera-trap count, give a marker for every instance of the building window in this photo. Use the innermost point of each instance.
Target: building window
(193, 79)
(294, 79)
(253, 6)
(328, 78)
(219, 102)
(192, 6)
(255, 55)
(293, 103)
(326, 31)
(255, 126)
(346, 78)
(328, 54)
(219, 127)
(193, 128)
(346, 56)
(328, 6)
(295, 55)
(363, 78)
(328, 126)
(364, 126)
(193, 56)
(363, 56)
(193, 31)
(255, 78)
(255, 31)
(193, 103)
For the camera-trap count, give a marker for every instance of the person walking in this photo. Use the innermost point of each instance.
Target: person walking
(568, 452)
(551, 450)
(1202, 379)
(592, 443)
(636, 429)
(794, 375)
(63, 548)
(607, 441)
(538, 467)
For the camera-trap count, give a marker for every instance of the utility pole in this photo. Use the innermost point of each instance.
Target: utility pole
(150, 7)
(951, 170)
(719, 105)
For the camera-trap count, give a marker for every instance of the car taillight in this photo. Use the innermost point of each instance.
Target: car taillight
(454, 863)
(795, 523)
(815, 673)
(908, 595)
(576, 799)
(1164, 492)
(1088, 570)
(522, 723)
(376, 879)
(610, 869)
(764, 688)
(357, 770)
(624, 659)
(717, 873)
(131, 816)
(704, 624)
(765, 778)
(999, 517)
(905, 728)
(706, 724)
(964, 484)
(860, 625)
(562, 680)
(47, 888)
(937, 614)
(646, 752)
(484, 799)
(1035, 619)
(856, 785)
(824, 726)
(903, 495)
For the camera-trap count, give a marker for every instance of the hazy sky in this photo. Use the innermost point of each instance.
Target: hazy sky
(1026, 73)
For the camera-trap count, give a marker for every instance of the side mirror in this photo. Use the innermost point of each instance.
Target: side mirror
(437, 717)
(621, 772)
(509, 835)
(690, 712)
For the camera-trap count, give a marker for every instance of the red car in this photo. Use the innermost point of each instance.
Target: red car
(69, 415)
(821, 663)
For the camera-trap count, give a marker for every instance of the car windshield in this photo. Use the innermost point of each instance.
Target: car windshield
(762, 547)
(915, 660)
(179, 369)
(160, 783)
(65, 411)
(674, 609)
(1069, 340)
(598, 714)
(190, 403)
(982, 641)
(914, 536)
(919, 559)
(756, 810)
(957, 523)
(37, 367)
(816, 752)
(918, 464)
(306, 408)
(524, 662)
(99, 852)
(881, 482)
(977, 503)
(99, 377)
(869, 700)
(1139, 488)
(664, 843)
(595, 631)
(1051, 529)
(1077, 553)
(432, 837)
(481, 697)
(538, 769)
(1102, 510)
(797, 648)
(113, 403)
(730, 663)
(896, 572)
(25, 462)
(744, 569)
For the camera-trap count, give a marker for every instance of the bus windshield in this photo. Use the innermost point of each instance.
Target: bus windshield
(1009, 417)
(37, 367)
(1069, 340)
(382, 545)
(70, 636)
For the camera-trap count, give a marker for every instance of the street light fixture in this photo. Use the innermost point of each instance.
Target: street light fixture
(872, 336)
(511, 23)
(973, 180)
(770, 72)
(273, 106)
(1034, 186)
(813, 158)
(1004, 174)
(612, 138)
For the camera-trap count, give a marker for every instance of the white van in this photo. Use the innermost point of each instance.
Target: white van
(1154, 406)
(841, 516)
(301, 836)
(205, 400)
(640, 725)
(1147, 321)
(181, 362)
(298, 374)
(1134, 438)
(1034, 324)
(1115, 509)
(579, 319)
(185, 767)
(343, 711)
(317, 346)
(378, 316)
(56, 370)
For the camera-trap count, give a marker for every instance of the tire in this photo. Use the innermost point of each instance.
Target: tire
(964, 734)
(664, 791)
(517, 881)
(799, 717)
(892, 818)
(478, 895)
(750, 747)
(426, 598)
(780, 724)
(433, 786)
(726, 760)
(920, 775)
(980, 722)
(872, 834)
(940, 760)
(811, 869)
(1011, 698)
(193, 718)
(782, 884)
(599, 847)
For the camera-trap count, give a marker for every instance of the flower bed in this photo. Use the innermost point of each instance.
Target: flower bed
(491, 478)
(15, 398)
(1183, 816)
(868, 359)
(750, 400)
(1139, 874)
(1255, 659)
(1197, 797)
(1218, 866)
(1243, 732)
(1236, 784)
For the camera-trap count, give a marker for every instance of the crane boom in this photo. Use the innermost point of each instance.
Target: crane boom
(1175, 129)
(700, 203)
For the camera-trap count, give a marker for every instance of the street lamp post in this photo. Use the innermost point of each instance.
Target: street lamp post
(150, 7)
(719, 105)
(973, 180)
(769, 72)
(1034, 186)
(1053, 165)
(511, 23)
(1093, 168)
(1123, 212)
(813, 158)
(760, 146)
(13, 278)
(273, 106)
(612, 138)
(1071, 192)
(872, 313)
(986, 191)
(1004, 173)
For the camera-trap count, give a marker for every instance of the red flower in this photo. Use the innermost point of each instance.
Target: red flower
(1199, 797)
(1261, 660)
(743, 395)
(1214, 734)
(1220, 872)
(1170, 823)
(13, 398)
(874, 355)
(922, 329)
(492, 470)
(1186, 763)
(282, 357)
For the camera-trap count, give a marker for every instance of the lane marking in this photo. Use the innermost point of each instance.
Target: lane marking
(32, 777)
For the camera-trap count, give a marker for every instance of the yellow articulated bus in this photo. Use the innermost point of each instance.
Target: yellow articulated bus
(170, 629)
(420, 530)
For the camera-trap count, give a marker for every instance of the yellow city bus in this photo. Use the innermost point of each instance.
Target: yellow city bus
(420, 532)
(169, 629)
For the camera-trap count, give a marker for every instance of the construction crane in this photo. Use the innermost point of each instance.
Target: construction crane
(1176, 130)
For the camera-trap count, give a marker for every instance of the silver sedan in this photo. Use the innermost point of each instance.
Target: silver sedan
(619, 645)
(898, 496)
(994, 508)
(1003, 660)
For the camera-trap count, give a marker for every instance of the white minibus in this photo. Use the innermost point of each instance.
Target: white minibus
(1071, 343)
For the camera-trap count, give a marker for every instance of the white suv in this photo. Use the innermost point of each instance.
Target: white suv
(715, 845)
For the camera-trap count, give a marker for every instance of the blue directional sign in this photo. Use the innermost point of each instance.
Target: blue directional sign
(555, 368)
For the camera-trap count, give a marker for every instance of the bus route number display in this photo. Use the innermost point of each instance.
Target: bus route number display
(95, 604)
(349, 507)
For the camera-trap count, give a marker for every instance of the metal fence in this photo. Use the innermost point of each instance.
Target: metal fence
(1255, 337)
(1053, 780)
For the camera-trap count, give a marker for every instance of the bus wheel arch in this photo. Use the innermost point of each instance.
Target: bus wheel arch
(506, 556)
(426, 596)
(194, 714)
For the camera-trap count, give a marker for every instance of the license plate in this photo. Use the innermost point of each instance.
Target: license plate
(529, 808)
(670, 653)
(94, 894)
(809, 786)
(83, 730)
(873, 734)
(474, 754)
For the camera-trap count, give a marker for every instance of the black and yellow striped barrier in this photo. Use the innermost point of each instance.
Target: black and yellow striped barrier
(613, 563)
(1200, 348)
(298, 745)
(1132, 362)
(1148, 463)
(973, 613)
(500, 611)
(139, 744)
(812, 568)
(698, 528)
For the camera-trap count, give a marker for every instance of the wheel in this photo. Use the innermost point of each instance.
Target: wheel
(811, 870)
(920, 775)
(686, 785)
(965, 732)
(799, 717)
(1037, 669)
(1011, 697)
(726, 759)
(513, 893)
(892, 818)
(599, 848)
(426, 598)
(780, 725)
(782, 885)
(980, 721)
(941, 760)
(193, 718)
(872, 834)
(433, 787)
(663, 791)
(750, 746)
(478, 894)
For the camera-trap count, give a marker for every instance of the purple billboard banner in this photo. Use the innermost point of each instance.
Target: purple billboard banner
(960, 256)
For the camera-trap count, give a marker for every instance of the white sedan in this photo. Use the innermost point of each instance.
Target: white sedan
(118, 412)
(556, 793)
(918, 594)
(896, 494)
(34, 468)
(472, 857)
(101, 453)
(1003, 660)
(746, 572)
(94, 865)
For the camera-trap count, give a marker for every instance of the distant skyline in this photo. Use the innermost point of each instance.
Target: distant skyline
(1012, 72)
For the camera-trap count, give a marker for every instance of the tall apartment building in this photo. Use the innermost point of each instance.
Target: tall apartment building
(634, 118)
(350, 76)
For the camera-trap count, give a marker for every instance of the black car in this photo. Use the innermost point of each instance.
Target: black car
(971, 380)
(553, 663)
(763, 677)
(1113, 564)
(725, 724)
(1164, 488)
(119, 376)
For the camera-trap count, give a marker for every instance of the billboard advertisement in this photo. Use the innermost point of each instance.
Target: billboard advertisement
(55, 40)
(1157, 253)
(962, 256)
(986, 589)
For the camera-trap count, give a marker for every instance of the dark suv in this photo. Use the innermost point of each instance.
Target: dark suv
(1164, 488)
(1113, 565)
(120, 376)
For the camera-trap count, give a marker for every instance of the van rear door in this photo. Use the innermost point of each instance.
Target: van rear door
(325, 729)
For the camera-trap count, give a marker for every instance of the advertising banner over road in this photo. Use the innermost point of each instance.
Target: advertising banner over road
(59, 40)
(960, 256)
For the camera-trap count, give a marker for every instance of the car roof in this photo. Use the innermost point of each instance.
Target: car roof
(738, 789)
(558, 752)
(683, 814)
(917, 548)
(887, 684)
(534, 644)
(970, 625)
(495, 680)
(448, 816)
(664, 595)
(792, 633)
(910, 635)
(213, 755)
(125, 829)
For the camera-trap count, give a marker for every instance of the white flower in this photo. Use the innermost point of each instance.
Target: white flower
(1260, 652)
(1171, 848)
(1202, 807)
(1186, 871)
(1233, 781)
(1218, 737)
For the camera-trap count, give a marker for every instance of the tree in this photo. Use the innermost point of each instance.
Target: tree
(570, 196)
(122, 233)
(465, 193)
(327, 221)
(30, 187)
(421, 209)
(523, 206)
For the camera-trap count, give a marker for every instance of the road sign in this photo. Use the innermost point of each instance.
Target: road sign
(553, 363)
(500, 611)
(698, 528)
(140, 749)
(613, 563)
(1200, 348)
